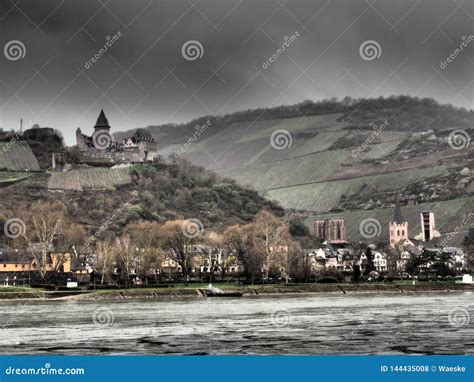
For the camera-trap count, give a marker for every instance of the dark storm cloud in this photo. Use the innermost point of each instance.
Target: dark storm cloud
(143, 79)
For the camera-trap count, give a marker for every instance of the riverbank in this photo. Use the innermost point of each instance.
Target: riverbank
(195, 291)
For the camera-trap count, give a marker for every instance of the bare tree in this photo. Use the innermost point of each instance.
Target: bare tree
(178, 245)
(44, 224)
(103, 260)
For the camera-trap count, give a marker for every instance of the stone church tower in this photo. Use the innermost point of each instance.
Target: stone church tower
(398, 228)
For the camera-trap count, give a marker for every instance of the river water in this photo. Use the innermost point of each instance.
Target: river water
(431, 323)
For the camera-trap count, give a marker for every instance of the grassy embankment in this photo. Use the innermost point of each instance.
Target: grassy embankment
(191, 291)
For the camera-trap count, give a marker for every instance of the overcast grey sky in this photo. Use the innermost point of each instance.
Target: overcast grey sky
(144, 79)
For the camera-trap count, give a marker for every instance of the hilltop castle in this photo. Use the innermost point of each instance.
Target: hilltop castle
(140, 147)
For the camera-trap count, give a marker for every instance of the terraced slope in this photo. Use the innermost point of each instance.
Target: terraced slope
(89, 179)
(17, 156)
(322, 159)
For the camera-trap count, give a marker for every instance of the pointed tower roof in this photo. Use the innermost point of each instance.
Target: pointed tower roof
(102, 122)
(398, 215)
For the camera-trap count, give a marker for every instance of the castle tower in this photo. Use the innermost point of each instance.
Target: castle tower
(102, 122)
(398, 228)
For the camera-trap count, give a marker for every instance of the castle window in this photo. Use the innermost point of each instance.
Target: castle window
(403, 232)
(398, 232)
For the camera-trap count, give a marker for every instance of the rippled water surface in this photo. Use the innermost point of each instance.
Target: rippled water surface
(321, 324)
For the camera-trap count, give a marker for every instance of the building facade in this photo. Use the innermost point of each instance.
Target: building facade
(398, 227)
(330, 230)
(100, 146)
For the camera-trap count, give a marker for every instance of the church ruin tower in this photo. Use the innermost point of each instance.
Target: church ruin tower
(398, 228)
